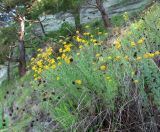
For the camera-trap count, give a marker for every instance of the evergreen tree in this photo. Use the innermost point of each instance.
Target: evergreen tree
(55, 6)
(20, 7)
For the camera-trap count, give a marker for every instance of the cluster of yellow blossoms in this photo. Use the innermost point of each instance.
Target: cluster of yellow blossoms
(132, 43)
(125, 16)
(45, 60)
(42, 62)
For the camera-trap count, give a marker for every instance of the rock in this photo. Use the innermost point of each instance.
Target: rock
(88, 13)
(3, 73)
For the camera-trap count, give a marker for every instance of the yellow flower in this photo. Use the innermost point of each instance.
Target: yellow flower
(108, 77)
(59, 63)
(46, 67)
(38, 55)
(58, 58)
(133, 44)
(78, 53)
(86, 26)
(103, 67)
(138, 58)
(36, 78)
(39, 71)
(126, 57)
(60, 50)
(77, 32)
(94, 40)
(151, 55)
(136, 81)
(141, 41)
(86, 33)
(39, 49)
(130, 33)
(57, 78)
(53, 66)
(117, 45)
(98, 55)
(157, 53)
(67, 50)
(34, 68)
(99, 33)
(109, 57)
(60, 41)
(78, 39)
(52, 61)
(91, 36)
(67, 60)
(79, 82)
(32, 59)
(39, 63)
(63, 56)
(125, 16)
(118, 58)
(64, 43)
(146, 55)
(80, 46)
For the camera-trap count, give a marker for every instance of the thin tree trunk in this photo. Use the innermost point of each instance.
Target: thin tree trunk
(9, 63)
(42, 27)
(104, 14)
(22, 59)
(77, 19)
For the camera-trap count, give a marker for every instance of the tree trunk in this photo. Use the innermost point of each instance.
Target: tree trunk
(104, 14)
(77, 19)
(9, 64)
(42, 27)
(22, 59)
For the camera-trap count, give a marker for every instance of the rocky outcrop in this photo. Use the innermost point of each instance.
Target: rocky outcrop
(89, 13)
(3, 73)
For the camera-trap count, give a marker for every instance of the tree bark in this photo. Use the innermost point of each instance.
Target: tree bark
(104, 14)
(9, 64)
(22, 59)
(42, 27)
(77, 19)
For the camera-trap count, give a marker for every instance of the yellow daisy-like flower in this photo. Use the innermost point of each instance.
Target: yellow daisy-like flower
(109, 57)
(78, 53)
(98, 55)
(57, 78)
(117, 58)
(99, 33)
(103, 68)
(53, 66)
(141, 41)
(151, 55)
(126, 58)
(157, 52)
(86, 26)
(133, 44)
(79, 82)
(146, 55)
(118, 45)
(60, 50)
(108, 78)
(136, 81)
(80, 46)
(59, 63)
(138, 58)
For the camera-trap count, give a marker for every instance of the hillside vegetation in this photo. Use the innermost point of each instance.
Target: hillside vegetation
(94, 81)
